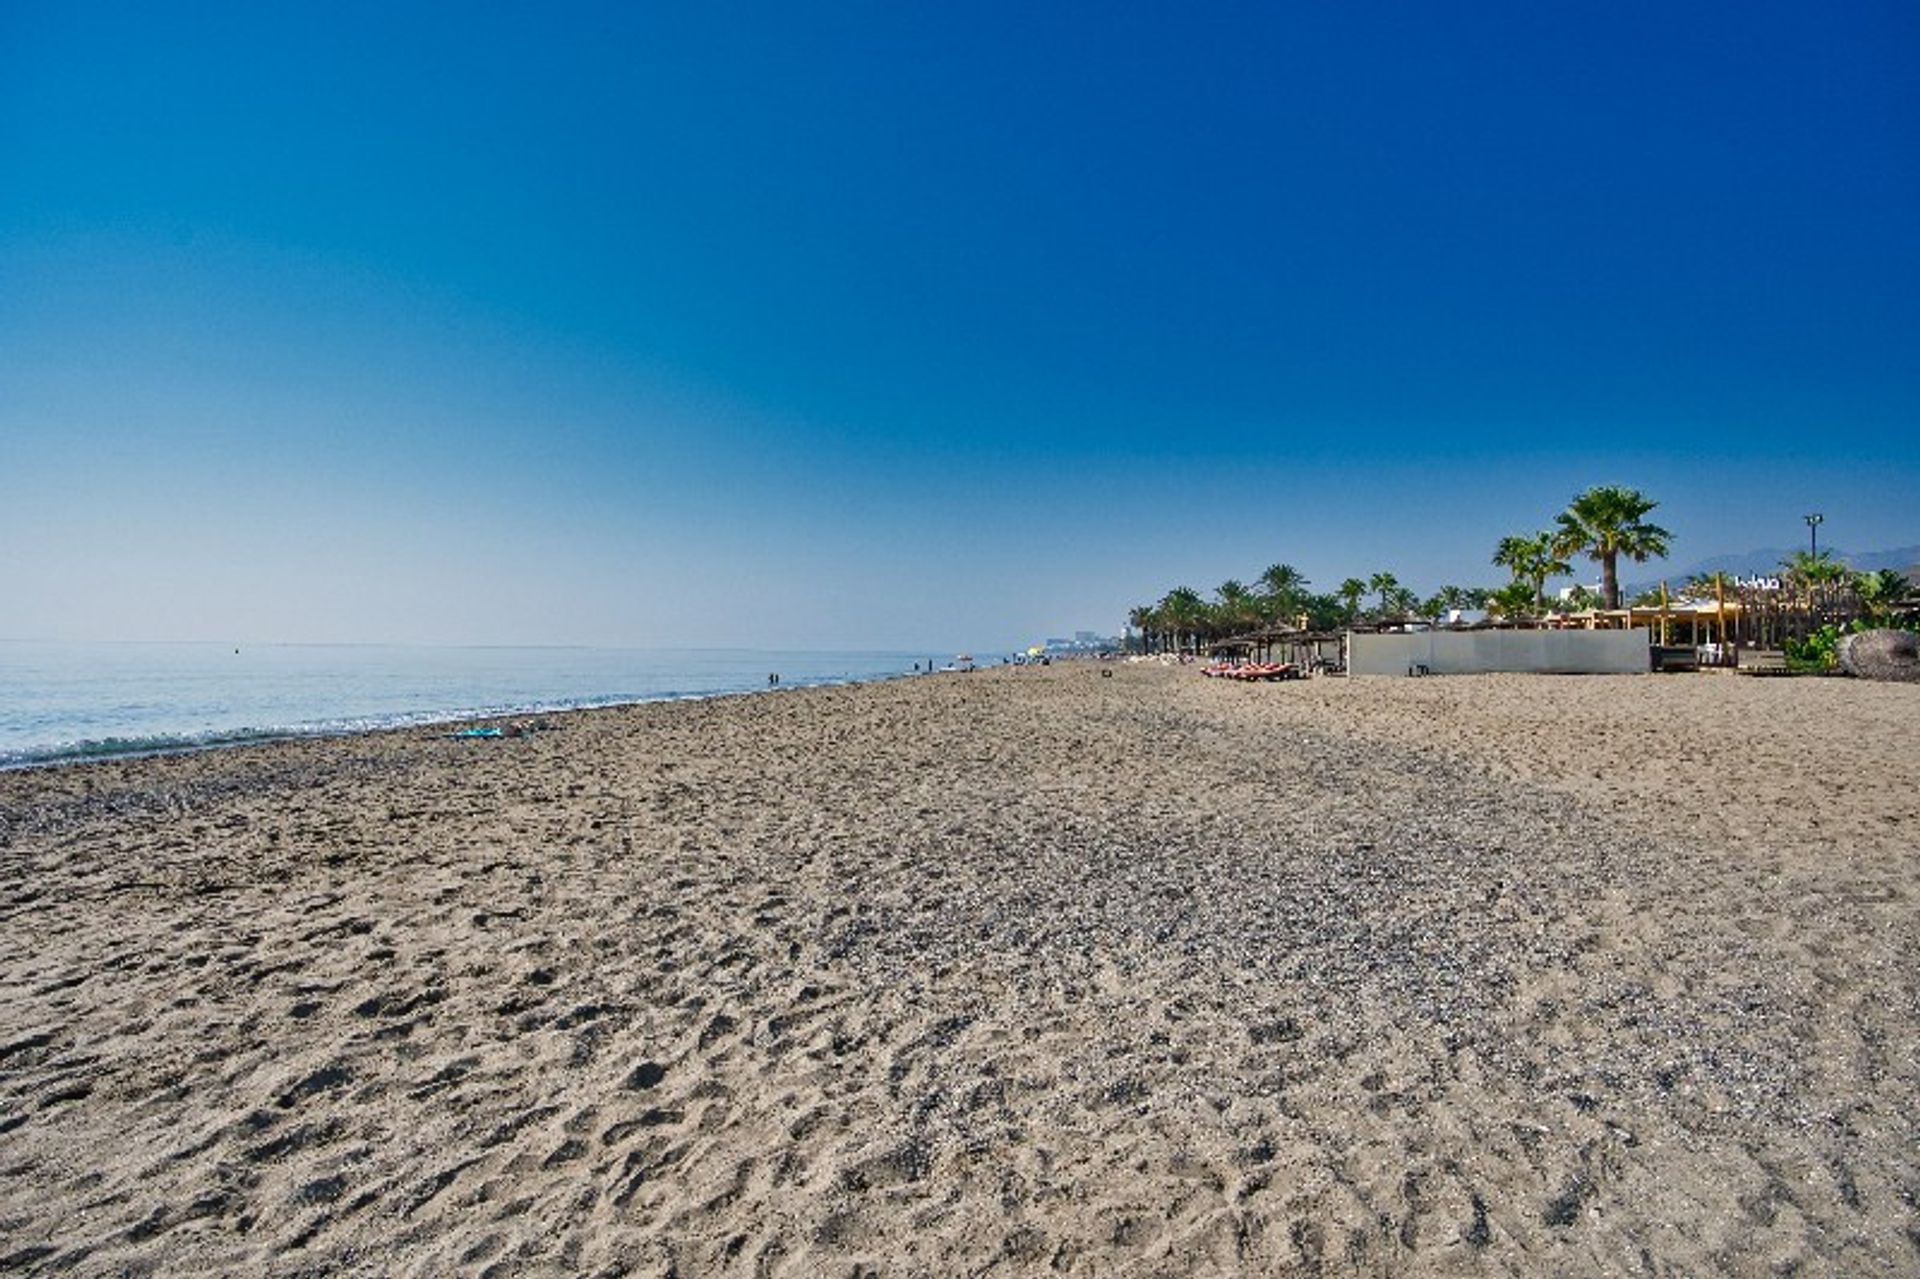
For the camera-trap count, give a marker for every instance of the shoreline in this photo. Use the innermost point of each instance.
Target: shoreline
(231, 739)
(1031, 972)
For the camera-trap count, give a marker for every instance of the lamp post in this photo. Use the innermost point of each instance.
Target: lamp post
(1813, 532)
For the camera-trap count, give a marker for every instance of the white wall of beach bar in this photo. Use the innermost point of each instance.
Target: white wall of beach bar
(1484, 652)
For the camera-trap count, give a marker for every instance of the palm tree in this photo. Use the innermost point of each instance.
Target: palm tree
(1284, 586)
(1531, 560)
(1238, 608)
(1707, 586)
(1605, 523)
(1880, 590)
(1141, 619)
(1446, 600)
(1350, 593)
(1388, 588)
(1817, 576)
(1515, 599)
(1323, 612)
(1814, 568)
(1183, 613)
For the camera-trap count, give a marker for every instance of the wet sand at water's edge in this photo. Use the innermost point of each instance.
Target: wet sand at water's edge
(1006, 973)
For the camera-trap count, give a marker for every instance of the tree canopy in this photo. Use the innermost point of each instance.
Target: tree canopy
(1605, 523)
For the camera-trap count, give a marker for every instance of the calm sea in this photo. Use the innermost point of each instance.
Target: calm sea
(77, 701)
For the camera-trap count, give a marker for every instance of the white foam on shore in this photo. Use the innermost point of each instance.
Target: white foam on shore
(63, 705)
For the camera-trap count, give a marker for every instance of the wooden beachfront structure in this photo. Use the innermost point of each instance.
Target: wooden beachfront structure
(1747, 617)
(1307, 649)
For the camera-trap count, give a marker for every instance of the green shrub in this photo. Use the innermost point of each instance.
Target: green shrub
(1819, 651)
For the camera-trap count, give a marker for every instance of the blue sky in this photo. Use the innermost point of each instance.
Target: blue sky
(882, 324)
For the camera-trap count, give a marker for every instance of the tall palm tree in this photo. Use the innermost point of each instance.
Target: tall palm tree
(1880, 590)
(1238, 608)
(1350, 593)
(1817, 576)
(1141, 619)
(1605, 523)
(1284, 587)
(1446, 600)
(1323, 612)
(1817, 568)
(1183, 614)
(1387, 586)
(1531, 560)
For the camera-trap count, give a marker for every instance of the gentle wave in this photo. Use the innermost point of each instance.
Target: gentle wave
(160, 744)
(131, 747)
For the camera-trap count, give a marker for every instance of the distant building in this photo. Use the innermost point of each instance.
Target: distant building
(1084, 642)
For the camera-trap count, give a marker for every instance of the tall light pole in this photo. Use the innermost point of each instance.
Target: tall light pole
(1813, 532)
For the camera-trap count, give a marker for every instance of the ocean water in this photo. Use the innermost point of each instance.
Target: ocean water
(77, 701)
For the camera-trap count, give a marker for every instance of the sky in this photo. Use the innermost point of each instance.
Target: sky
(877, 325)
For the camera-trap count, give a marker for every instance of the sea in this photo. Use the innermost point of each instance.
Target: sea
(62, 702)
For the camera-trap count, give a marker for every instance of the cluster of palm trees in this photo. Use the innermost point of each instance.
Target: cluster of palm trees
(1821, 582)
(1184, 620)
(1815, 582)
(1603, 523)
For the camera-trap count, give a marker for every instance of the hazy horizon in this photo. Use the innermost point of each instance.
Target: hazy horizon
(887, 328)
(1587, 572)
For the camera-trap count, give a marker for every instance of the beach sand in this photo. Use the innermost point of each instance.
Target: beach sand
(1016, 972)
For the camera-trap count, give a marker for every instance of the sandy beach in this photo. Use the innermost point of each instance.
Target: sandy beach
(1019, 972)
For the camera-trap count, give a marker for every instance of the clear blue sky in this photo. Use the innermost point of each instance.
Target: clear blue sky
(907, 324)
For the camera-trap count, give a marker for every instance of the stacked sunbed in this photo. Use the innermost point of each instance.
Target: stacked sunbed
(1254, 671)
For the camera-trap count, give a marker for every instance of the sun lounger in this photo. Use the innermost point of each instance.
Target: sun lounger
(1254, 672)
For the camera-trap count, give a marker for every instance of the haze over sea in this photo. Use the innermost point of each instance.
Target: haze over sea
(66, 701)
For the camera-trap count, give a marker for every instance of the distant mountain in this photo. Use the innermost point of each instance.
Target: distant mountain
(1900, 558)
(1766, 563)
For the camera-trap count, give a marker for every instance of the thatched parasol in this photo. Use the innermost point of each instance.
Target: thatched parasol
(1889, 654)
